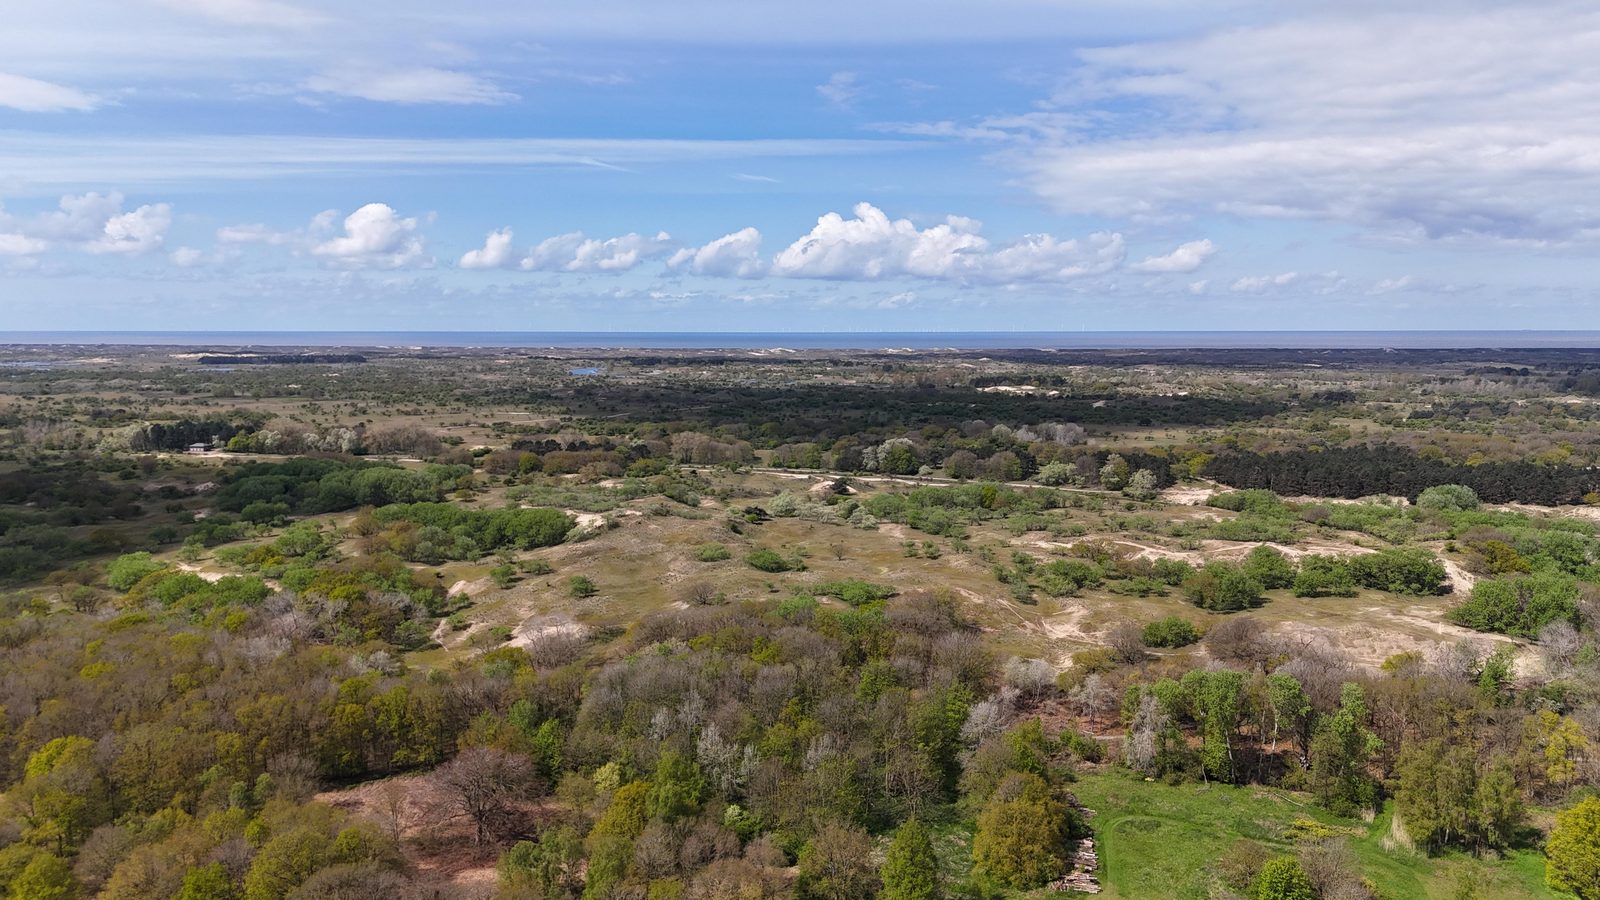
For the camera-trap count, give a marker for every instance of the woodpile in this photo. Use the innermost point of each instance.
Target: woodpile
(1083, 876)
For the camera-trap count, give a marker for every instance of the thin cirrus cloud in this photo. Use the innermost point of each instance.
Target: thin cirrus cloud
(269, 13)
(33, 95)
(1446, 122)
(841, 89)
(53, 160)
(418, 85)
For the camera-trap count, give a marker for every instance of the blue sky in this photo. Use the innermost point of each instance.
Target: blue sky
(1015, 164)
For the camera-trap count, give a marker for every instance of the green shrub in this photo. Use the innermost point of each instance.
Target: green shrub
(1520, 606)
(1172, 631)
(503, 575)
(1221, 587)
(1271, 568)
(1324, 576)
(854, 591)
(712, 552)
(1450, 497)
(1170, 572)
(1065, 577)
(130, 569)
(1282, 879)
(1414, 572)
(771, 561)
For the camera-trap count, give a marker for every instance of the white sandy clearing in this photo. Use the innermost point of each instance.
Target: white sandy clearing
(540, 626)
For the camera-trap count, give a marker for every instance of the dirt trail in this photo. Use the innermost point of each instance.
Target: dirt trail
(1210, 550)
(193, 569)
(1461, 581)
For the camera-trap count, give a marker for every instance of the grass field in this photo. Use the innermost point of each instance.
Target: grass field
(1159, 841)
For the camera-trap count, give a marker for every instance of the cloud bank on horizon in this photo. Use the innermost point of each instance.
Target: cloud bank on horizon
(716, 166)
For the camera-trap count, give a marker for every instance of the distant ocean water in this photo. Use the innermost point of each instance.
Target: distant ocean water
(865, 340)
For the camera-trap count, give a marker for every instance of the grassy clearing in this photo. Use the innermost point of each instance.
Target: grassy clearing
(1160, 841)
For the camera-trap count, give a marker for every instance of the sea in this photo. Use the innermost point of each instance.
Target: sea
(824, 340)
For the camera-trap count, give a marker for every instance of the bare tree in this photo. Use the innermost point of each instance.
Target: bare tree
(484, 785)
(394, 799)
(1560, 645)
(1333, 870)
(1092, 697)
(1033, 678)
(1143, 741)
(294, 775)
(699, 593)
(1127, 643)
(1238, 639)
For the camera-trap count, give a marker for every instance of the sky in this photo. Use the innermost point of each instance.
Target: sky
(1043, 165)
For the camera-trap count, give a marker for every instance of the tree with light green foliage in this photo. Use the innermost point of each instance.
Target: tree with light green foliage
(548, 870)
(131, 568)
(65, 792)
(1115, 473)
(284, 862)
(207, 883)
(46, 877)
(1282, 879)
(910, 868)
(1141, 485)
(1055, 474)
(1216, 700)
(1445, 797)
(1448, 498)
(1290, 709)
(1573, 850)
(1021, 841)
(678, 787)
(1341, 752)
(1269, 567)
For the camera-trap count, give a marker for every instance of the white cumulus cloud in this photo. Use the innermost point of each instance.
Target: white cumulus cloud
(1186, 258)
(1043, 257)
(872, 246)
(140, 231)
(496, 252)
(736, 255)
(571, 252)
(12, 244)
(92, 222)
(1255, 284)
(374, 236)
(576, 252)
